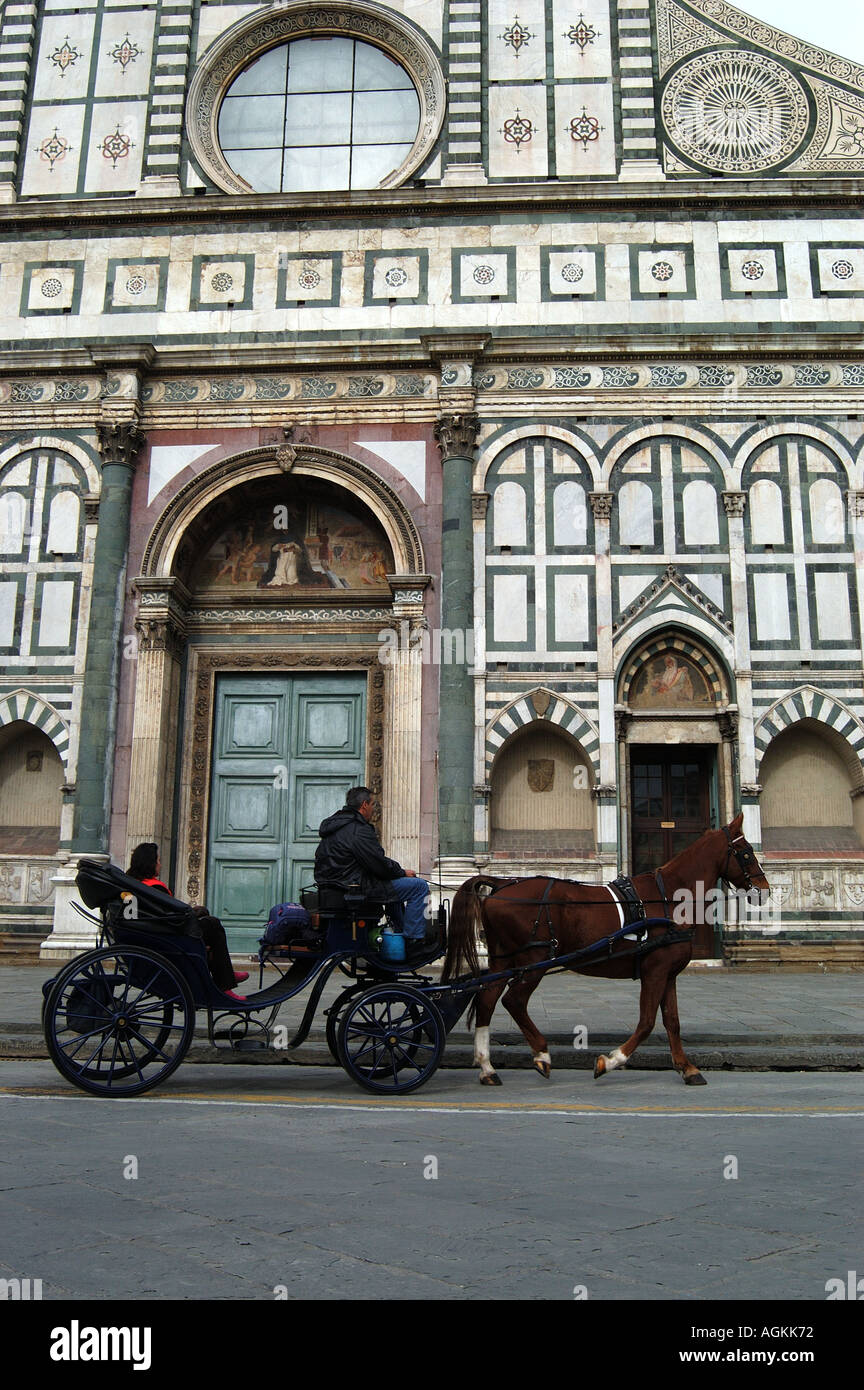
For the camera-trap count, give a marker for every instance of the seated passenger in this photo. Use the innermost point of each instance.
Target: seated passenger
(145, 865)
(350, 856)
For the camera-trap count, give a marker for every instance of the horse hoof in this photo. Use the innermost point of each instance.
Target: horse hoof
(697, 1079)
(543, 1069)
(599, 1068)
(493, 1080)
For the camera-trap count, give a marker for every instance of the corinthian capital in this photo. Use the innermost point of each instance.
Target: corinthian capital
(601, 505)
(457, 435)
(120, 441)
(734, 502)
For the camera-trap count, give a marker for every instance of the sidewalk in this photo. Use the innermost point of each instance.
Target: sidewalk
(745, 1021)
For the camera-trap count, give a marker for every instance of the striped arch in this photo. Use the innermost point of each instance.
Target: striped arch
(23, 705)
(561, 714)
(673, 641)
(809, 703)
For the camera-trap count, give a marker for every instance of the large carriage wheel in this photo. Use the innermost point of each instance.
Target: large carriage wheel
(390, 1039)
(334, 1018)
(118, 1021)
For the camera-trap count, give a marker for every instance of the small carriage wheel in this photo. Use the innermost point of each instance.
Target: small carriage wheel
(118, 1021)
(390, 1039)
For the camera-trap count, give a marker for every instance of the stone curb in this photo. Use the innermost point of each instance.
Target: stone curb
(826, 1054)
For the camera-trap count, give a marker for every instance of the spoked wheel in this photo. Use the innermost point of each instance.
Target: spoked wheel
(118, 1021)
(390, 1039)
(334, 1017)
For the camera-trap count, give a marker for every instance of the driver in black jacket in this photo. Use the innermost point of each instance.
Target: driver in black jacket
(350, 855)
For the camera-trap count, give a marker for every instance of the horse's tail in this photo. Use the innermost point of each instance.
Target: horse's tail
(465, 920)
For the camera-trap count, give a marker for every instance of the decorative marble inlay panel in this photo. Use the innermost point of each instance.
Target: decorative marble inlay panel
(568, 271)
(116, 146)
(840, 269)
(309, 279)
(217, 283)
(136, 285)
(584, 129)
(53, 150)
(517, 132)
(62, 69)
(752, 270)
(484, 273)
(517, 40)
(662, 272)
(735, 112)
(401, 275)
(582, 38)
(125, 52)
(51, 289)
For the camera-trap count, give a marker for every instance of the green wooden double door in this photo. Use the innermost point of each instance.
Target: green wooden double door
(286, 749)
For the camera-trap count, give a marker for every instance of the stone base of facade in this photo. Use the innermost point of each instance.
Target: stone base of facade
(72, 933)
(794, 955)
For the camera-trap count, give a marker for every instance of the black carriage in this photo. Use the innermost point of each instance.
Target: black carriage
(120, 1019)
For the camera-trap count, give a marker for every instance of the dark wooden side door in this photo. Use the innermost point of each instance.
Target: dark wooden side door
(670, 801)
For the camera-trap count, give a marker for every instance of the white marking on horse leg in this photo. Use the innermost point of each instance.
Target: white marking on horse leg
(482, 1055)
(616, 1058)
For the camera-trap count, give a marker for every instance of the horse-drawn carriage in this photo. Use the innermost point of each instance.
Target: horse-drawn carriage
(120, 1019)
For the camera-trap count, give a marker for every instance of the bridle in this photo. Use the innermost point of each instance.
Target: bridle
(745, 857)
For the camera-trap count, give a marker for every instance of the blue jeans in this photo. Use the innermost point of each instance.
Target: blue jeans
(413, 897)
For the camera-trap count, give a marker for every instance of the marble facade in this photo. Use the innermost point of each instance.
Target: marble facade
(601, 330)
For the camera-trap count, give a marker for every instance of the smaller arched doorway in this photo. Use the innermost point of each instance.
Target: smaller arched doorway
(676, 756)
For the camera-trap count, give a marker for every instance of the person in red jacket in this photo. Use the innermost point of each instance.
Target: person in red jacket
(145, 865)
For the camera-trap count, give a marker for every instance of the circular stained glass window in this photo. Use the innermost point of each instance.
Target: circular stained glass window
(319, 113)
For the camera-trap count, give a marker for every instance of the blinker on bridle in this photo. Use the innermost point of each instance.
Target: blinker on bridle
(745, 857)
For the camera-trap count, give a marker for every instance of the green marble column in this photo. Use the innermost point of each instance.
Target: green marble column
(119, 443)
(457, 435)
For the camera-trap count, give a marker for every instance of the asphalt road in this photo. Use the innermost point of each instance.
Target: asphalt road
(244, 1184)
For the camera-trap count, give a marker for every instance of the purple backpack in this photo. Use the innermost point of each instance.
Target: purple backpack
(286, 921)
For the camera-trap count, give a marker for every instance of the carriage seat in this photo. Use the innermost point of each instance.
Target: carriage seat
(124, 900)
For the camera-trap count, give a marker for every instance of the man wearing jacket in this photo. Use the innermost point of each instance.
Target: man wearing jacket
(350, 856)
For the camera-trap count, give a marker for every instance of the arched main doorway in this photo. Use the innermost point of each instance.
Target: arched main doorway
(260, 622)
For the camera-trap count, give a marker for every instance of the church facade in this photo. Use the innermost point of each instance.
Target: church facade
(463, 398)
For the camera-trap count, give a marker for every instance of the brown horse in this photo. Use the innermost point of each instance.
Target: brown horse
(531, 919)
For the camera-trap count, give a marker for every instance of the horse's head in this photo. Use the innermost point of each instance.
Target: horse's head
(740, 867)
